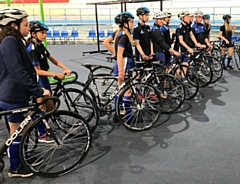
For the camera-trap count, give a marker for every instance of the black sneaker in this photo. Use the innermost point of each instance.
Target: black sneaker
(115, 119)
(20, 172)
(34, 161)
(224, 68)
(230, 67)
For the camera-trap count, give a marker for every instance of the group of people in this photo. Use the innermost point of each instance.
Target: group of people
(24, 73)
(24, 63)
(157, 42)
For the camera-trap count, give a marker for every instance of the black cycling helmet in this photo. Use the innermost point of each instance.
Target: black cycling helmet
(123, 17)
(36, 26)
(142, 11)
(207, 16)
(226, 17)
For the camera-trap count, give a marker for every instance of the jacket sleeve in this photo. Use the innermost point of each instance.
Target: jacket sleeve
(157, 35)
(14, 65)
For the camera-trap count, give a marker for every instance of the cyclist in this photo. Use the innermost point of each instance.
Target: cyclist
(191, 18)
(207, 25)
(18, 79)
(199, 31)
(225, 34)
(191, 22)
(142, 36)
(159, 43)
(166, 31)
(123, 49)
(185, 36)
(39, 56)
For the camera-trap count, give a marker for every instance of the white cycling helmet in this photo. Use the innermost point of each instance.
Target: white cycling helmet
(167, 14)
(198, 13)
(191, 14)
(183, 14)
(159, 15)
(8, 15)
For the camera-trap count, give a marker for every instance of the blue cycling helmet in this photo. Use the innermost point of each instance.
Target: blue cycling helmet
(142, 11)
(123, 17)
(207, 16)
(226, 17)
(36, 26)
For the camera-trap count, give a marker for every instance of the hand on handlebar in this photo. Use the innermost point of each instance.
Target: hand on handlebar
(46, 92)
(67, 72)
(176, 53)
(145, 58)
(191, 51)
(60, 76)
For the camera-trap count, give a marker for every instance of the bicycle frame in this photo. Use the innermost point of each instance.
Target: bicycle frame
(34, 110)
(114, 94)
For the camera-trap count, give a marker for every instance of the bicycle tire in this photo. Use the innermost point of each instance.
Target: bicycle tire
(191, 85)
(217, 68)
(80, 86)
(203, 71)
(79, 102)
(149, 100)
(59, 166)
(236, 56)
(171, 91)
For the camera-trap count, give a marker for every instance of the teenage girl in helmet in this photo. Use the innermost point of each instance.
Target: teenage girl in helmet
(225, 34)
(166, 31)
(159, 43)
(123, 48)
(199, 31)
(142, 36)
(18, 79)
(207, 25)
(39, 56)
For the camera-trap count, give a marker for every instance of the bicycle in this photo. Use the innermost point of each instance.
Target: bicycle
(76, 100)
(146, 104)
(170, 88)
(71, 145)
(186, 75)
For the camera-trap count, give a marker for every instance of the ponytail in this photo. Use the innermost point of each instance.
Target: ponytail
(126, 32)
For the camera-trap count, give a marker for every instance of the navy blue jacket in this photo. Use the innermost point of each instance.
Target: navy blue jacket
(159, 44)
(18, 79)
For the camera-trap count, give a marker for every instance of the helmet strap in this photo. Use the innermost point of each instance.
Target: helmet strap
(37, 40)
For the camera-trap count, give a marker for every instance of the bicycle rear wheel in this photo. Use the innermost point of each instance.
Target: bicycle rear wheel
(216, 66)
(191, 84)
(236, 56)
(171, 91)
(71, 144)
(79, 102)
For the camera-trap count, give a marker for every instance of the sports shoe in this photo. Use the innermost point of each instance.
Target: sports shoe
(230, 67)
(34, 161)
(45, 139)
(115, 119)
(19, 172)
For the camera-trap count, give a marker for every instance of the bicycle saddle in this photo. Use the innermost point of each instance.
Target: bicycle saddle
(89, 65)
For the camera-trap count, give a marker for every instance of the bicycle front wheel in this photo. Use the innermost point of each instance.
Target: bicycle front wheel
(142, 109)
(71, 142)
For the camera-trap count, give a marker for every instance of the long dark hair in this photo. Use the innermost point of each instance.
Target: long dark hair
(8, 30)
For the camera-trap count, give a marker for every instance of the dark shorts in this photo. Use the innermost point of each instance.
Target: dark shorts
(14, 118)
(224, 45)
(44, 83)
(161, 57)
(127, 64)
(168, 58)
(184, 57)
